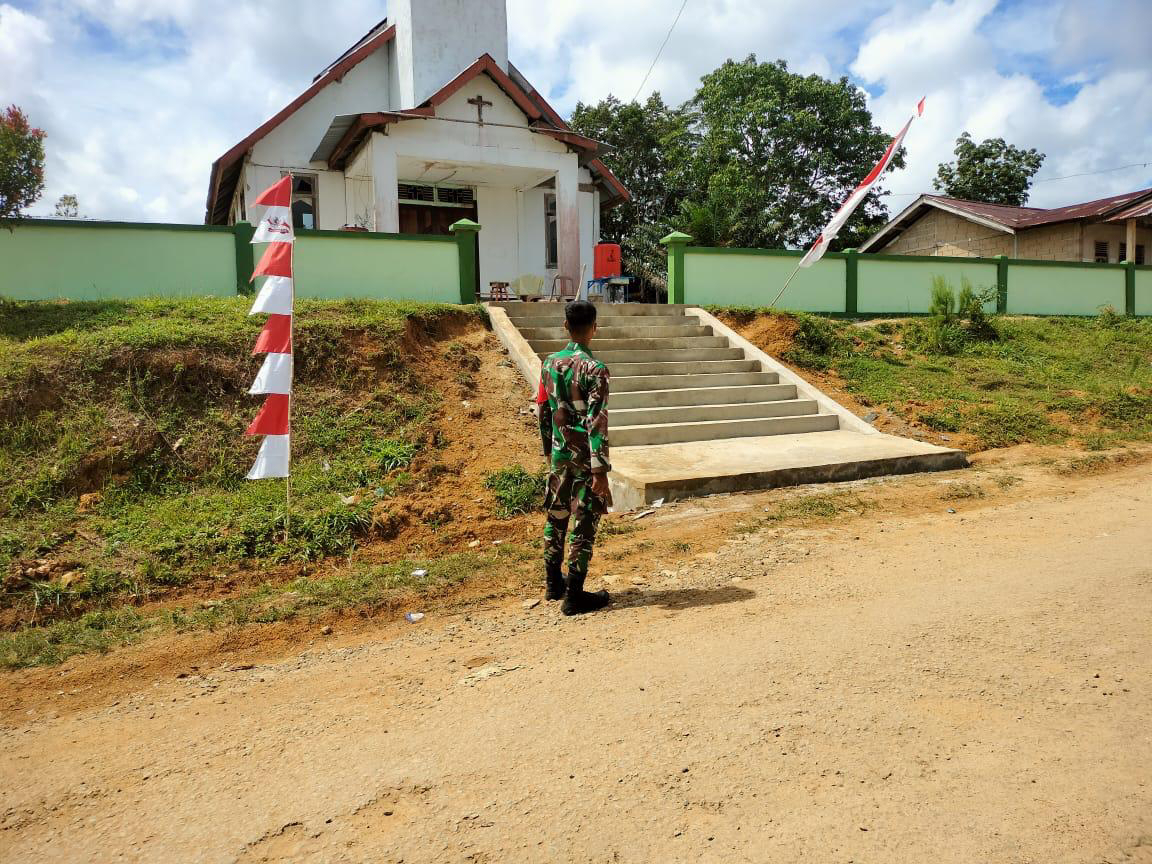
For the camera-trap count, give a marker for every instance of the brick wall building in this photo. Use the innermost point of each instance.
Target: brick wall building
(1102, 230)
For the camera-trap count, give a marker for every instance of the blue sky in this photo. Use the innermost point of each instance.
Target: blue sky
(139, 97)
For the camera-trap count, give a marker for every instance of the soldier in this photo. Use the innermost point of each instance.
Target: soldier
(573, 401)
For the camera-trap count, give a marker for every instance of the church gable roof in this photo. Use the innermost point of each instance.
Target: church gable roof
(226, 169)
(348, 131)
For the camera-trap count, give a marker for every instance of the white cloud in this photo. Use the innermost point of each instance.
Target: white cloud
(954, 53)
(138, 98)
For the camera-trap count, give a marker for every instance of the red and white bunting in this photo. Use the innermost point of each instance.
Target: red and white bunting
(274, 299)
(858, 195)
(276, 224)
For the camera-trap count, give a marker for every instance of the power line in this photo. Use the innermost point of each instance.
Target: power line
(667, 36)
(1047, 179)
(1090, 173)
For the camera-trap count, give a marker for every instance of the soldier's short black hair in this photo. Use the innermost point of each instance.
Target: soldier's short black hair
(580, 315)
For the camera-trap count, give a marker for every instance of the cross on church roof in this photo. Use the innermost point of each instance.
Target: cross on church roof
(481, 103)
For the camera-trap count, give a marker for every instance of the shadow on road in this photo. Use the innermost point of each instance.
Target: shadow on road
(681, 598)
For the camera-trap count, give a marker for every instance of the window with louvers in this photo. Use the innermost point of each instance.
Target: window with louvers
(1101, 251)
(448, 196)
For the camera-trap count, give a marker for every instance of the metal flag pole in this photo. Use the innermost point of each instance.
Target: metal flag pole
(791, 276)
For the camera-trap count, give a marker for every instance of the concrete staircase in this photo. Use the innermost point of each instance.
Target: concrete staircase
(696, 409)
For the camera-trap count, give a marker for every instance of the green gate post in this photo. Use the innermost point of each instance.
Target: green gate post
(851, 273)
(467, 243)
(242, 233)
(1001, 284)
(676, 241)
(1130, 287)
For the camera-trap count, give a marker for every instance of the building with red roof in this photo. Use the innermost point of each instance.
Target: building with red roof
(1117, 228)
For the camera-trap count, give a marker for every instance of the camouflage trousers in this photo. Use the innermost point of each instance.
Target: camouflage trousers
(570, 499)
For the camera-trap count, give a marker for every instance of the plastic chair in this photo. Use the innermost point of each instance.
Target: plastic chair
(528, 287)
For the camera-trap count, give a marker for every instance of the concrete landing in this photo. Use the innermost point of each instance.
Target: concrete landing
(648, 473)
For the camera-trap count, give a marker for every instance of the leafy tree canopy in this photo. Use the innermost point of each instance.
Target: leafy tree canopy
(759, 156)
(21, 163)
(992, 171)
(779, 152)
(67, 207)
(646, 144)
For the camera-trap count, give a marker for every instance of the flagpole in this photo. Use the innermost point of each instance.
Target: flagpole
(792, 276)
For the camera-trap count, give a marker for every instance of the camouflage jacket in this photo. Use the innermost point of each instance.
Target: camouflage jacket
(573, 399)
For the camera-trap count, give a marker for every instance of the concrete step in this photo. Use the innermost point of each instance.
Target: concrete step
(629, 321)
(614, 310)
(699, 396)
(671, 355)
(711, 430)
(630, 384)
(625, 331)
(600, 346)
(686, 367)
(675, 355)
(696, 413)
(641, 475)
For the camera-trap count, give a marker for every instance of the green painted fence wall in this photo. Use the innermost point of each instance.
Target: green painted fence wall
(752, 277)
(1144, 290)
(849, 283)
(335, 264)
(1042, 288)
(48, 260)
(891, 285)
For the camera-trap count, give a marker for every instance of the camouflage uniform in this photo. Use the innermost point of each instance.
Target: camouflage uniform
(573, 399)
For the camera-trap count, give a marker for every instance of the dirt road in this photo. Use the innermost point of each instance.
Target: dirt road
(963, 687)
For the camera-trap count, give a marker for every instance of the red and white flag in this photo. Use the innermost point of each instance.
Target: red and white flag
(848, 207)
(275, 299)
(276, 224)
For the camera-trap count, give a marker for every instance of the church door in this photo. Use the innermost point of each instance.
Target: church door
(427, 219)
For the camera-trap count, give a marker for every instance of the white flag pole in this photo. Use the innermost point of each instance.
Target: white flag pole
(788, 282)
(820, 246)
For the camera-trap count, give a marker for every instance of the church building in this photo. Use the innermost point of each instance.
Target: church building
(421, 123)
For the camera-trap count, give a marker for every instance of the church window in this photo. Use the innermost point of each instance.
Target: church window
(304, 194)
(550, 240)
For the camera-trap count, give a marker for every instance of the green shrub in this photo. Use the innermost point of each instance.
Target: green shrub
(817, 342)
(943, 303)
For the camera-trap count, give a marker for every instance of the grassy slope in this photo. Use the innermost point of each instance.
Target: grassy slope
(1040, 380)
(122, 456)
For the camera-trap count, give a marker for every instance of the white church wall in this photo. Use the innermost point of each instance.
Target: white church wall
(587, 232)
(502, 110)
(359, 194)
(532, 249)
(497, 212)
(291, 144)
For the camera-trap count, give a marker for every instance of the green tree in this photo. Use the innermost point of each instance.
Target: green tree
(645, 144)
(992, 171)
(21, 163)
(67, 207)
(775, 154)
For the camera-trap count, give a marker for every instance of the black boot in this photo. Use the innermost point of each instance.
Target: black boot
(577, 601)
(554, 581)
